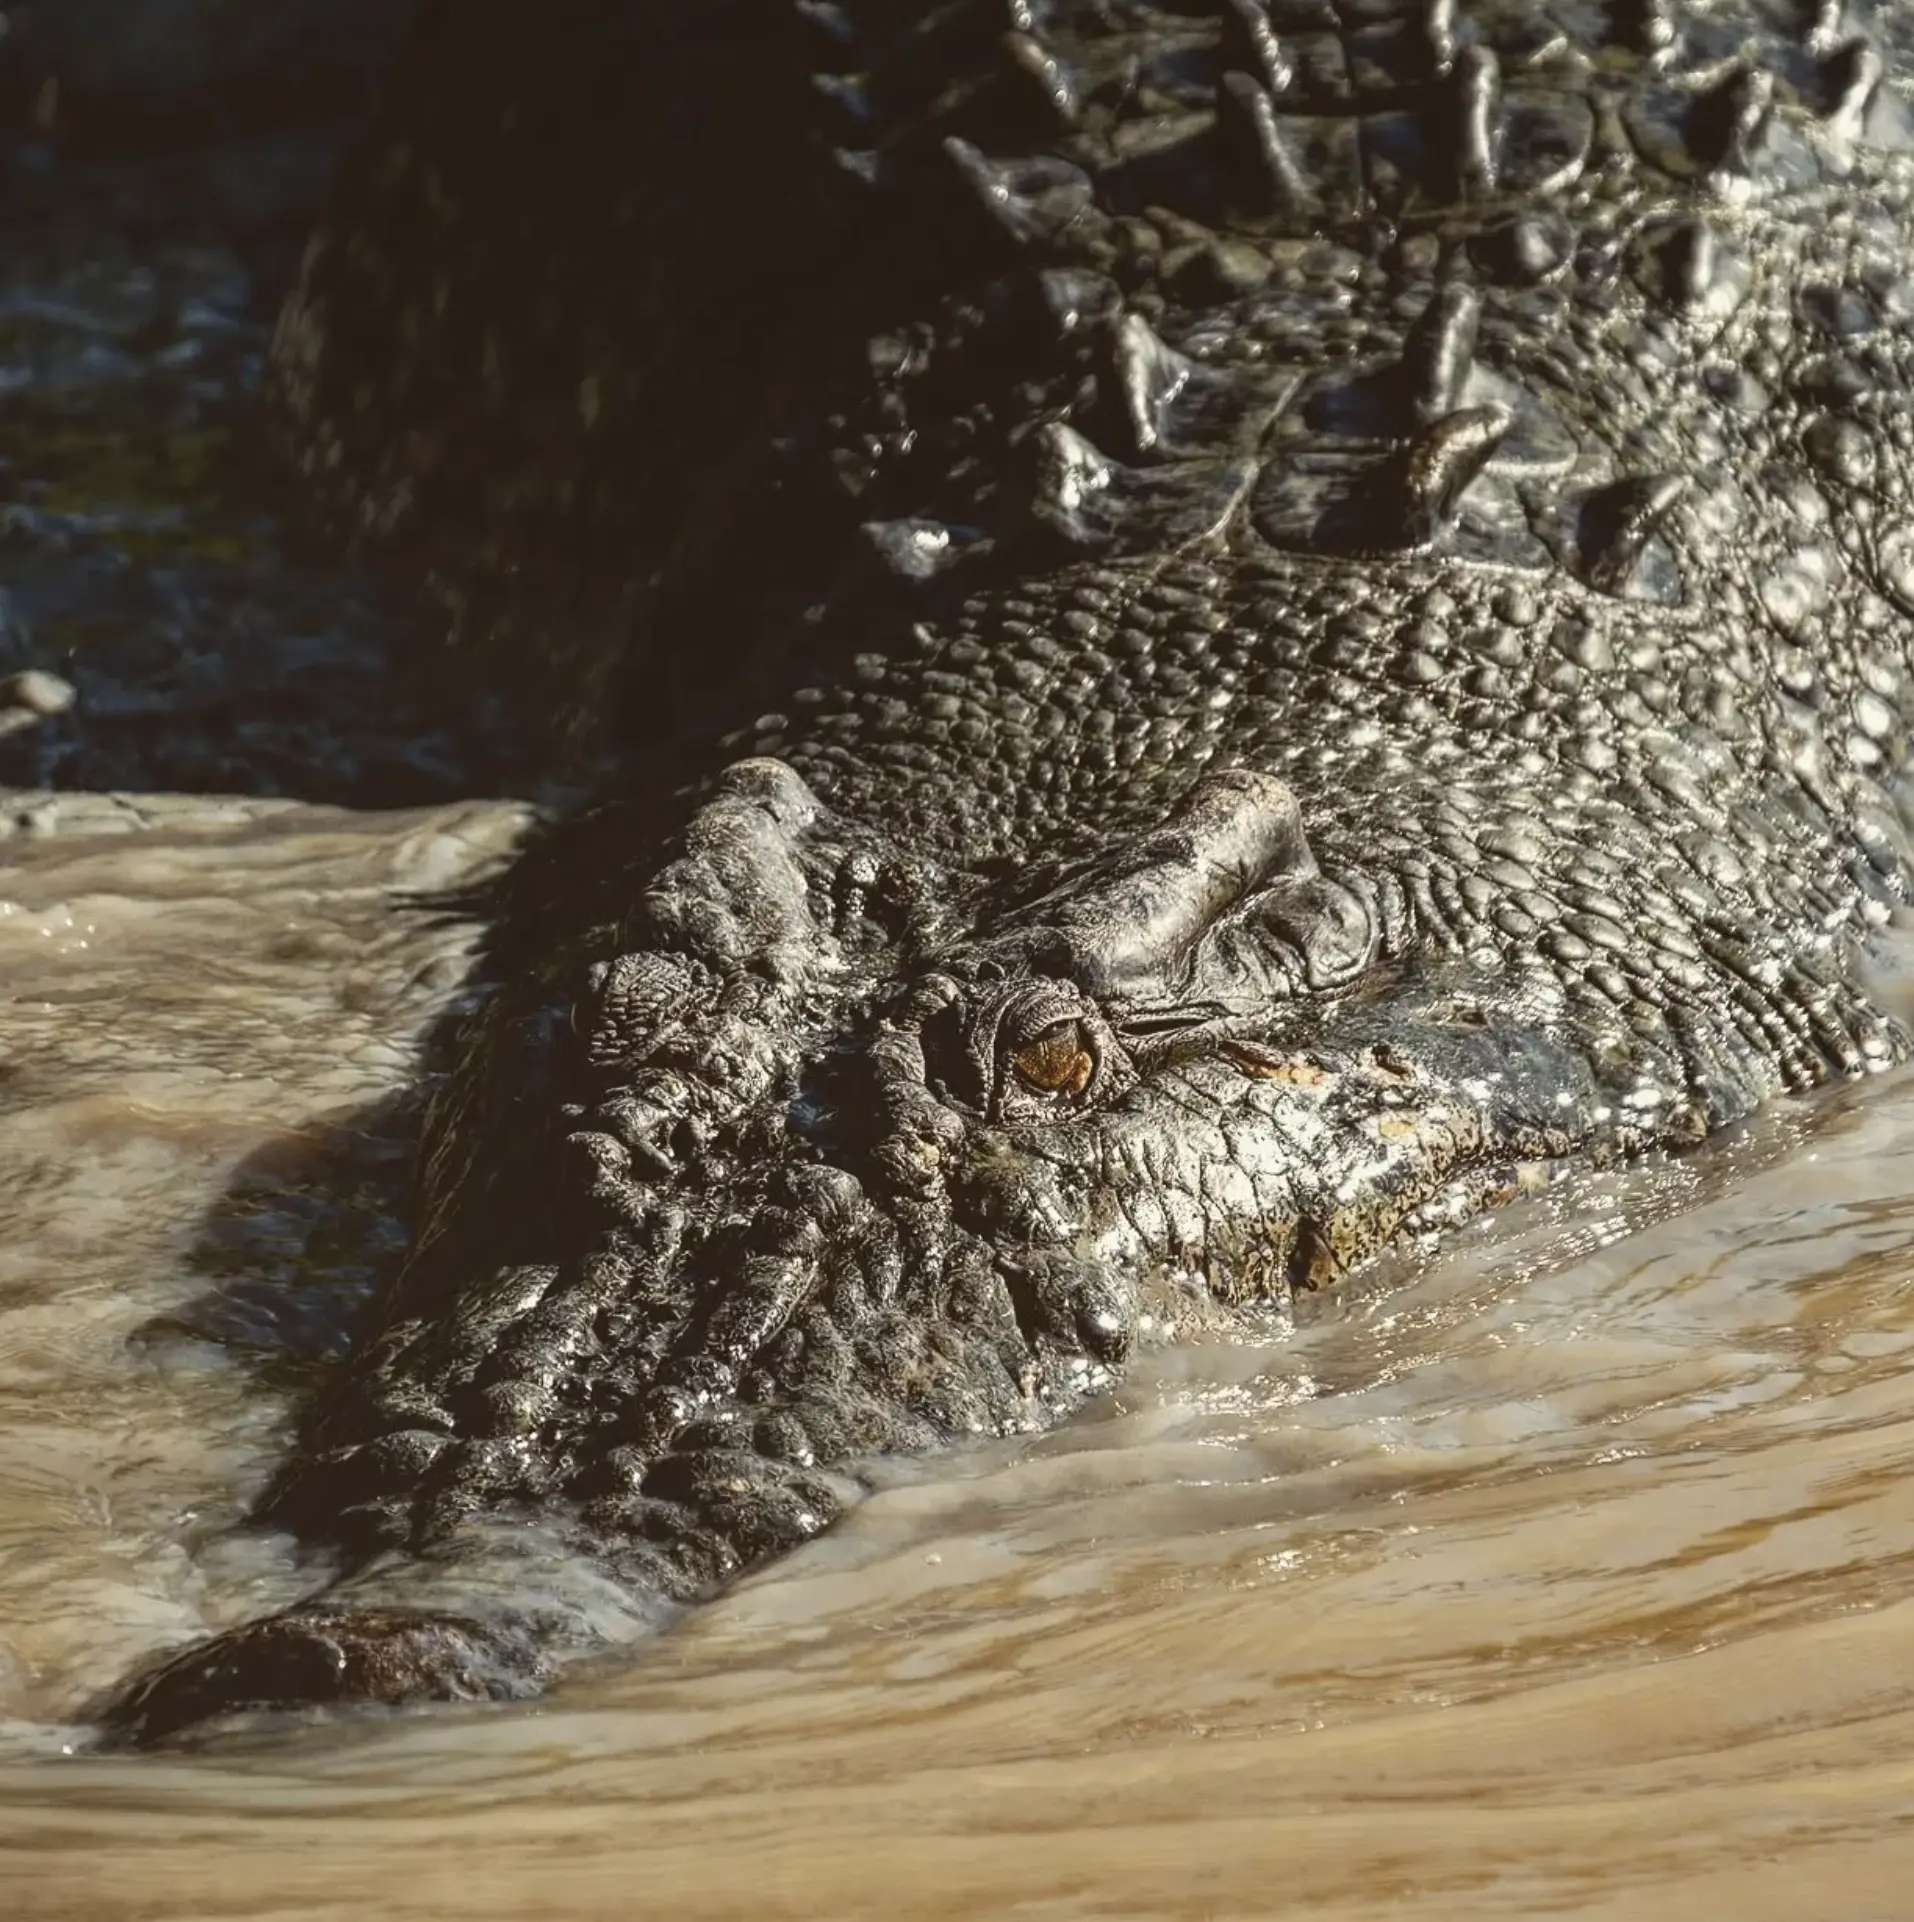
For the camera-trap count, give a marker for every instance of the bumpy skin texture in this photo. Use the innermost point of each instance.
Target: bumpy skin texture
(1336, 586)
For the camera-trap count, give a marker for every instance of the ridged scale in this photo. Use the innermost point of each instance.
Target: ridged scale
(1449, 162)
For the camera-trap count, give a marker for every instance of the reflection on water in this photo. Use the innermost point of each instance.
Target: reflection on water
(1566, 1575)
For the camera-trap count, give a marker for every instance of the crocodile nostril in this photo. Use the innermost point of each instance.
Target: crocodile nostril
(1458, 1014)
(1390, 1062)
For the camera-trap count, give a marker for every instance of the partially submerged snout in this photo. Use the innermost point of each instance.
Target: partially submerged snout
(1242, 1158)
(845, 1152)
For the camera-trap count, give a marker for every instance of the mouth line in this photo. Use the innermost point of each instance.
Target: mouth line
(1480, 1189)
(1311, 1267)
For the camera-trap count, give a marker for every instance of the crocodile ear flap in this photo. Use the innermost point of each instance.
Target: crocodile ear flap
(1220, 911)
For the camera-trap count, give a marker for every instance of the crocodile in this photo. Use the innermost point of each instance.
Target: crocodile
(1227, 632)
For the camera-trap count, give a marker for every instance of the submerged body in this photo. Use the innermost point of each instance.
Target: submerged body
(1322, 631)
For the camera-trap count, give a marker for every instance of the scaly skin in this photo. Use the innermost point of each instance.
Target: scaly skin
(1342, 645)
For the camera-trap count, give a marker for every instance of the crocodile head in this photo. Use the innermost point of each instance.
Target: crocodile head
(863, 1151)
(868, 1152)
(856, 1151)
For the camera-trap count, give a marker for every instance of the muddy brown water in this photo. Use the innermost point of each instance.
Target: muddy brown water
(1563, 1572)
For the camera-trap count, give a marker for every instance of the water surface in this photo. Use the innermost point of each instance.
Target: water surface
(1569, 1577)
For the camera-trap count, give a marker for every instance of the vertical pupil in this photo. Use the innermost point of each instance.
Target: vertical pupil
(1057, 1061)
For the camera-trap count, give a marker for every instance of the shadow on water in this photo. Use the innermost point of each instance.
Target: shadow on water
(297, 1245)
(295, 1249)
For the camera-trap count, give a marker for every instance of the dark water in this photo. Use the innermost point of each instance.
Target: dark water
(141, 553)
(1568, 1576)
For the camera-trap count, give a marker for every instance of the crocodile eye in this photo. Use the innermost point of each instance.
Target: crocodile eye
(1057, 1060)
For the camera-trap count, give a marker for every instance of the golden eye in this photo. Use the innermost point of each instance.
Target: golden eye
(1057, 1061)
